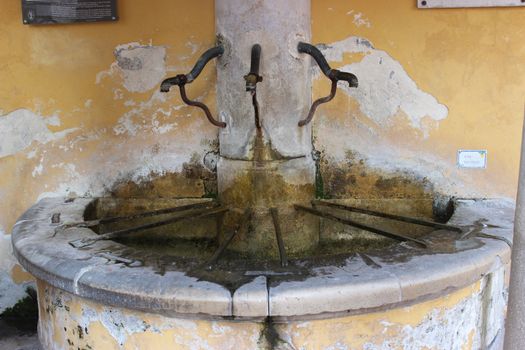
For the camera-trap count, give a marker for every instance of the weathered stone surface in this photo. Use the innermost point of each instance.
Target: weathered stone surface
(395, 276)
(251, 300)
(284, 94)
(263, 185)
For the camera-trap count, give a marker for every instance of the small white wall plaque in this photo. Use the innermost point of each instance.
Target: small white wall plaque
(474, 159)
(429, 4)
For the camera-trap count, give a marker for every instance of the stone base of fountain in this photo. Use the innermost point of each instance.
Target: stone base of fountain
(110, 295)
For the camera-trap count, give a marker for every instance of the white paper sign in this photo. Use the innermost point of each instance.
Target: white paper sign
(476, 159)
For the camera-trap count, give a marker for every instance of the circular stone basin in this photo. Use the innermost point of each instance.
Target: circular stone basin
(341, 282)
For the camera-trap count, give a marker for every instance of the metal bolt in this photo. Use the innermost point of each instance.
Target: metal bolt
(424, 3)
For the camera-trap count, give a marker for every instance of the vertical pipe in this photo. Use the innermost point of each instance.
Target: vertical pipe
(515, 323)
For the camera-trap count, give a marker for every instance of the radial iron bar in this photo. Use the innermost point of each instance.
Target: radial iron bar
(278, 235)
(242, 226)
(192, 214)
(397, 236)
(402, 218)
(145, 214)
(158, 212)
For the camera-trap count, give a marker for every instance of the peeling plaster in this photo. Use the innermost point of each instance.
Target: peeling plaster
(145, 116)
(385, 93)
(385, 88)
(22, 127)
(138, 166)
(127, 124)
(38, 169)
(141, 67)
(442, 329)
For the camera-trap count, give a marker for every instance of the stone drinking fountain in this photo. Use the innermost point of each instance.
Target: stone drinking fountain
(267, 264)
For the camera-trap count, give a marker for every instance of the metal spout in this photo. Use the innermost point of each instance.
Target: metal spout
(252, 79)
(333, 74)
(182, 79)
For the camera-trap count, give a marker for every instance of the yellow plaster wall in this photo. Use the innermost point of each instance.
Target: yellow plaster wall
(470, 60)
(447, 322)
(52, 70)
(70, 71)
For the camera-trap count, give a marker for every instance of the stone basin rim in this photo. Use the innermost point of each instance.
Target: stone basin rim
(339, 290)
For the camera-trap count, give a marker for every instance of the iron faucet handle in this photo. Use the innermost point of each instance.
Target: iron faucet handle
(178, 80)
(338, 75)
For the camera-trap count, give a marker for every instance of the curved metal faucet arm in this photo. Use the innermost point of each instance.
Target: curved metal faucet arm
(182, 79)
(201, 106)
(313, 51)
(333, 74)
(179, 80)
(350, 78)
(318, 102)
(203, 60)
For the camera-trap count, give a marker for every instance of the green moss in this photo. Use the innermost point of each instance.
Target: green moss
(319, 182)
(211, 194)
(24, 314)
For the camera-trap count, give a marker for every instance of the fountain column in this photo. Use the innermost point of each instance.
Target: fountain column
(271, 167)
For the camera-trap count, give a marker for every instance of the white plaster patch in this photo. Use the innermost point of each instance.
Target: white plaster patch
(10, 292)
(127, 124)
(31, 154)
(37, 170)
(359, 19)
(114, 321)
(385, 88)
(22, 127)
(7, 260)
(441, 329)
(495, 310)
(141, 67)
(86, 136)
(145, 117)
(141, 165)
